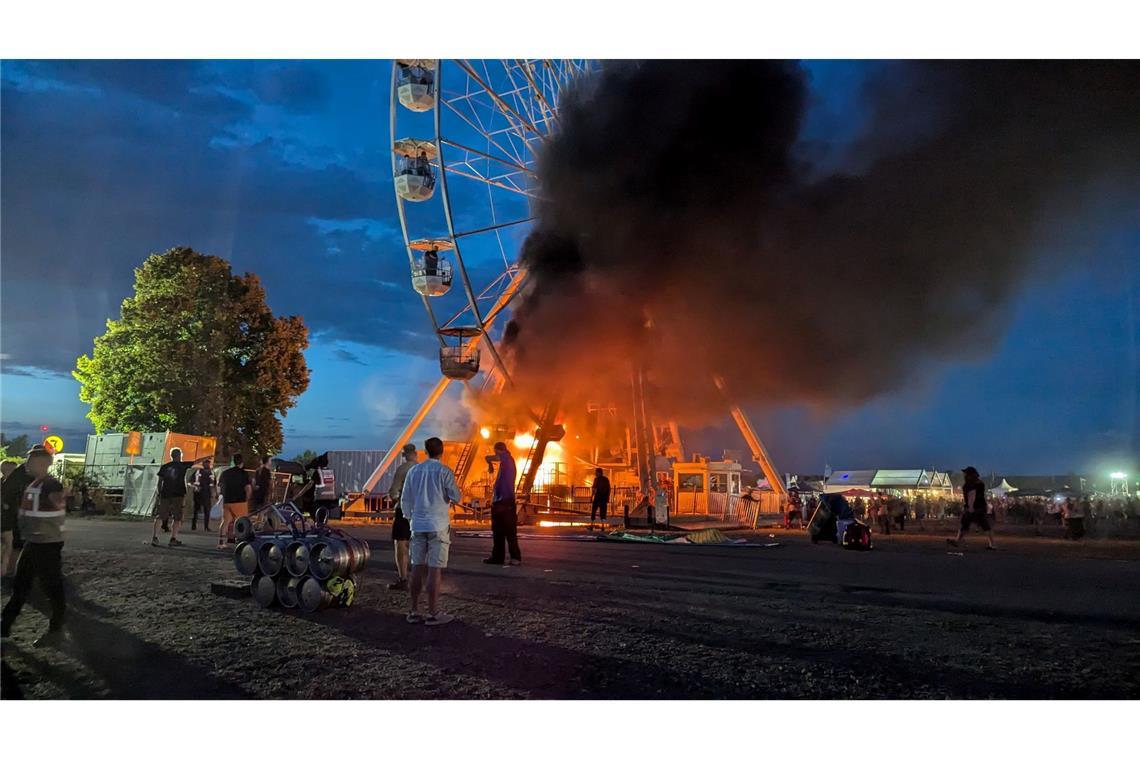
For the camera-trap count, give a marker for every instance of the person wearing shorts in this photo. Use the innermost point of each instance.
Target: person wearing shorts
(974, 509)
(401, 528)
(426, 498)
(431, 548)
(236, 490)
(170, 494)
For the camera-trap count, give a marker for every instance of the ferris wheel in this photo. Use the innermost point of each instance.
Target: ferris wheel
(465, 139)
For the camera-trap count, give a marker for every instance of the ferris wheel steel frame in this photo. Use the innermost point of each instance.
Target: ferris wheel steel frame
(527, 110)
(515, 142)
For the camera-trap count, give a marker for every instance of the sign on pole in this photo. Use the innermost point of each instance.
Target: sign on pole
(54, 444)
(132, 444)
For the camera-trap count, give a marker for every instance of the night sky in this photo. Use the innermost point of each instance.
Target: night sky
(283, 168)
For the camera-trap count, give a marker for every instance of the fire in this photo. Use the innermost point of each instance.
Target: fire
(485, 432)
(553, 467)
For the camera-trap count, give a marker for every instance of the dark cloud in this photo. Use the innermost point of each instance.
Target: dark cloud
(182, 86)
(291, 85)
(344, 355)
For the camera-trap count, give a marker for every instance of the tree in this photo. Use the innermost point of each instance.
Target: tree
(196, 351)
(13, 448)
(306, 456)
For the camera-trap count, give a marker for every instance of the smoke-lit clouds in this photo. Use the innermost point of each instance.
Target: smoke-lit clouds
(679, 192)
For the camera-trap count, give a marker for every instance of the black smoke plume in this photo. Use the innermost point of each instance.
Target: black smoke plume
(685, 225)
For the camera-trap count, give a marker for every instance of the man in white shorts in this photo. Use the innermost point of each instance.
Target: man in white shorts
(426, 499)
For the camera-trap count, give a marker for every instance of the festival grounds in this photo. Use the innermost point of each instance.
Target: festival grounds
(582, 619)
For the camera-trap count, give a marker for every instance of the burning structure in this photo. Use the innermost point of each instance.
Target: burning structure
(665, 272)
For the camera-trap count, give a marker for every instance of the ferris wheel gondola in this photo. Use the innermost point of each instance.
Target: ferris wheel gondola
(413, 172)
(415, 83)
(431, 273)
(460, 361)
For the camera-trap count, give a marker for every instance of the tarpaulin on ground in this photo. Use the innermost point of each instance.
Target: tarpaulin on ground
(708, 537)
(139, 489)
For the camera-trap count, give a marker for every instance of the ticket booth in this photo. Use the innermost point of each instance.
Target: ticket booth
(703, 487)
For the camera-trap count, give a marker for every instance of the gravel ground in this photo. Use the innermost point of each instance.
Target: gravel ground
(1038, 619)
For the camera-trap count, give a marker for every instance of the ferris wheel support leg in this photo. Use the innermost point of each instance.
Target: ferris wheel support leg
(759, 451)
(405, 436)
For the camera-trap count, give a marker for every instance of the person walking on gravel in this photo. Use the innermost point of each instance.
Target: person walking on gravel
(426, 498)
(236, 491)
(41, 517)
(170, 494)
(401, 528)
(974, 509)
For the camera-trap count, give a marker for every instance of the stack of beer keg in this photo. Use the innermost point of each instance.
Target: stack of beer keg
(310, 568)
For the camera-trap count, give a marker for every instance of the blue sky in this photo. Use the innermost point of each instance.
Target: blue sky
(283, 168)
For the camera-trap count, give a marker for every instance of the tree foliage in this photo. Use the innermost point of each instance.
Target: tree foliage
(305, 456)
(196, 350)
(13, 448)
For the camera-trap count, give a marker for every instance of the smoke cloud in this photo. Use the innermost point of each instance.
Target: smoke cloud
(685, 227)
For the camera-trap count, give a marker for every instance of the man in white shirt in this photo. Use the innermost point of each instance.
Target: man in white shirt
(426, 499)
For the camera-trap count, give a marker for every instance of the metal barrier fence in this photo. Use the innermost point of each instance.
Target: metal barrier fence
(576, 502)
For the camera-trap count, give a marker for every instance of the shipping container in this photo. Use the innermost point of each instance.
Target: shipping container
(109, 454)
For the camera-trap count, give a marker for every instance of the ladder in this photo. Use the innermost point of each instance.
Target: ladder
(537, 450)
(463, 465)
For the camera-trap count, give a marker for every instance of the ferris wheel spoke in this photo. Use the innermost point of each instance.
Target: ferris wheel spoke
(510, 132)
(497, 99)
(527, 97)
(501, 185)
(493, 227)
(478, 127)
(493, 292)
(528, 71)
(478, 152)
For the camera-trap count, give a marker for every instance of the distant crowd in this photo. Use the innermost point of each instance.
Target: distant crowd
(1080, 515)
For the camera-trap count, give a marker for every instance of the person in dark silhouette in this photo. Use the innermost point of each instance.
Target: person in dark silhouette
(974, 508)
(204, 484)
(504, 513)
(600, 497)
(431, 263)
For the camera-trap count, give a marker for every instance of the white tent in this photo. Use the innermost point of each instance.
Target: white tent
(1002, 488)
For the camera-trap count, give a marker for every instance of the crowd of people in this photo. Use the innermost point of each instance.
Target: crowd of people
(1079, 515)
